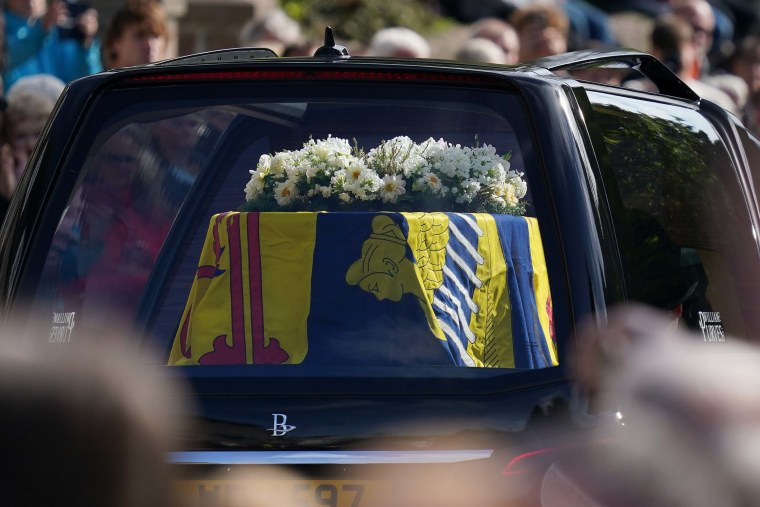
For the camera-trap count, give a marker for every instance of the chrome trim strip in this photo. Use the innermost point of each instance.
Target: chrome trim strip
(324, 457)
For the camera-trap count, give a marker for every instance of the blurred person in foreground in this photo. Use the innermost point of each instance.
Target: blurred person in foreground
(688, 431)
(42, 38)
(84, 425)
(136, 35)
(30, 101)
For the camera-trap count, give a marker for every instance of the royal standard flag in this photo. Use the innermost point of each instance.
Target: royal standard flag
(369, 289)
(249, 302)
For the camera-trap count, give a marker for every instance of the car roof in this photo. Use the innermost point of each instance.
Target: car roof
(665, 80)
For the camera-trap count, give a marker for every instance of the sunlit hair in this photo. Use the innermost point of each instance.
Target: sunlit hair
(398, 41)
(480, 50)
(27, 105)
(276, 26)
(548, 15)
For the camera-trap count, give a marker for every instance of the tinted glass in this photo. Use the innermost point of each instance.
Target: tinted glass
(688, 241)
(202, 220)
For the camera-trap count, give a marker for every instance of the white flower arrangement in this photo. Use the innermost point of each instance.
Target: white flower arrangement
(399, 174)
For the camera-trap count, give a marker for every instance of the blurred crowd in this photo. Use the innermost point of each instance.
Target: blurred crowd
(91, 425)
(713, 45)
(48, 43)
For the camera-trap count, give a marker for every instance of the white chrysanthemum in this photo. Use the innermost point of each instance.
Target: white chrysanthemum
(507, 192)
(342, 162)
(321, 150)
(426, 147)
(367, 187)
(499, 170)
(355, 171)
(339, 178)
(265, 163)
(345, 197)
(326, 155)
(316, 169)
(280, 162)
(298, 168)
(521, 187)
(251, 190)
(336, 146)
(451, 161)
(255, 185)
(393, 186)
(469, 190)
(398, 155)
(285, 192)
(370, 181)
(432, 182)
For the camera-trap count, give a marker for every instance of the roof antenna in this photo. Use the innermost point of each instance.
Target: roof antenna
(330, 48)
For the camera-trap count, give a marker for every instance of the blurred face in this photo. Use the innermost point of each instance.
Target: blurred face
(136, 46)
(749, 70)
(754, 76)
(539, 39)
(118, 159)
(176, 135)
(702, 20)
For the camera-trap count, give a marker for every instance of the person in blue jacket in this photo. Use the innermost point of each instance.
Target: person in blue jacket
(59, 38)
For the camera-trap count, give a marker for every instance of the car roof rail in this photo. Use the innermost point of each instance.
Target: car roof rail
(219, 56)
(666, 81)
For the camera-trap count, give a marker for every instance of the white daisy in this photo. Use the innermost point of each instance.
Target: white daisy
(285, 192)
(393, 186)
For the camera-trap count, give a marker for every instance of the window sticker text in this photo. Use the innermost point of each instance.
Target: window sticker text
(711, 326)
(63, 325)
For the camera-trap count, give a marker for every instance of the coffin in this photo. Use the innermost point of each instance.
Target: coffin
(375, 289)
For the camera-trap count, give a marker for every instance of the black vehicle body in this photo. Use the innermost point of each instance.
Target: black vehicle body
(347, 420)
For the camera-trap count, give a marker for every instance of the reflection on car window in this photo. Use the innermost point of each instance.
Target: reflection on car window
(114, 227)
(685, 224)
(429, 253)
